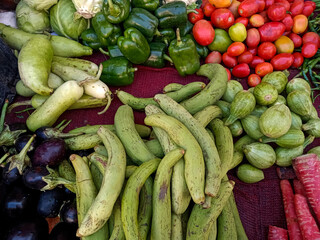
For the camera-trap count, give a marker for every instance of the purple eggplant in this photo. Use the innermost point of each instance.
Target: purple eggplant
(63, 231)
(50, 152)
(10, 177)
(21, 142)
(68, 212)
(50, 202)
(32, 177)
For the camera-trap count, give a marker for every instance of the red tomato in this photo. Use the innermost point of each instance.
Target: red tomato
(228, 73)
(267, 50)
(241, 70)
(255, 61)
(263, 69)
(300, 24)
(234, 8)
(296, 7)
(256, 20)
(285, 3)
(264, 14)
(253, 38)
(307, 9)
(309, 49)
(269, 3)
(222, 18)
(261, 5)
(271, 31)
(312, 3)
(208, 9)
(276, 12)
(296, 39)
(310, 37)
(298, 59)
(195, 17)
(229, 61)
(288, 22)
(282, 61)
(248, 7)
(245, 57)
(213, 57)
(242, 20)
(203, 32)
(254, 51)
(254, 80)
(235, 49)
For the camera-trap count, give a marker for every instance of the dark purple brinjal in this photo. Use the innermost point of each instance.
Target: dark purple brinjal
(32, 229)
(63, 231)
(10, 177)
(18, 126)
(45, 133)
(21, 142)
(68, 212)
(32, 177)
(50, 202)
(50, 152)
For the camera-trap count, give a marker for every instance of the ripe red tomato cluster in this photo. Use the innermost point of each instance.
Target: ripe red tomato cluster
(265, 49)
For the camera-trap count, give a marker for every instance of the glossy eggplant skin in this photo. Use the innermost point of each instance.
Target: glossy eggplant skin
(32, 177)
(22, 140)
(64, 231)
(33, 229)
(50, 152)
(50, 202)
(10, 177)
(18, 126)
(68, 212)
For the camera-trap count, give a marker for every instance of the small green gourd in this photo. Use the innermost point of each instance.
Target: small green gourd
(258, 110)
(241, 106)
(275, 121)
(293, 138)
(312, 127)
(277, 79)
(300, 103)
(260, 155)
(233, 87)
(236, 128)
(225, 108)
(250, 125)
(265, 93)
(315, 150)
(296, 121)
(249, 174)
(313, 115)
(280, 100)
(298, 84)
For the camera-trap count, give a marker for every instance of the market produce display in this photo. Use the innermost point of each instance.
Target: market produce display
(93, 148)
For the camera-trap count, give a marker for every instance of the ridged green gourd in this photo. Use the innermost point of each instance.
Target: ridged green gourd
(315, 150)
(249, 174)
(275, 121)
(265, 93)
(280, 100)
(312, 127)
(258, 110)
(296, 121)
(277, 79)
(225, 108)
(233, 87)
(241, 106)
(260, 155)
(236, 128)
(250, 125)
(293, 138)
(300, 102)
(298, 84)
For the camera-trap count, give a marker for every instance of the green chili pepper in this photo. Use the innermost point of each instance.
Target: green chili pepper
(186, 28)
(149, 5)
(101, 25)
(117, 71)
(116, 11)
(184, 55)
(113, 38)
(113, 51)
(157, 55)
(165, 35)
(201, 50)
(144, 21)
(173, 14)
(134, 46)
(91, 39)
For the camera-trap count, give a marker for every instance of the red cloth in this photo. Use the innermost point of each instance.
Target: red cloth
(259, 205)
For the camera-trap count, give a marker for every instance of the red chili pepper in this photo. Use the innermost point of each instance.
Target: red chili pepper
(271, 31)
(195, 17)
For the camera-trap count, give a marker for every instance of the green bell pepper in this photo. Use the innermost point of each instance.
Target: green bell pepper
(186, 28)
(90, 38)
(113, 38)
(117, 71)
(149, 5)
(101, 25)
(134, 46)
(157, 55)
(183, 53)
(116, 11)
(113, 51)
(171, 15)
(165, 35)
(144, 21)
(201, 50)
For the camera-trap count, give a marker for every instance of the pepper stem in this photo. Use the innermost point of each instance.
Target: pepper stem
(178, 36)
(112, 9)
(17, 104)
(3, 114)
(166, 57)
(132, 69)
(104, 52)
(308, 141)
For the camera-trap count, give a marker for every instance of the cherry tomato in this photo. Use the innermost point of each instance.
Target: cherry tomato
(296, 7)
(276, 12)
(242, 20)
(254, 80)
(228, 73)
(284, 45)
(310, 37)
(261, 5)
(245, 57)
(267, 50)
(312, 3)
(235, 49)
(269, 3)
(256, 20)
(263, 69)
(234, 8)
(195, 17)
(254, 51)
(208, 9)
(229, 61)
(296, 39)
(298, 59)
(213, 57)
(203, 32)
(271, 31)
(241, 70)
(285, 3)
(282, 61)
(307, 9)
(309, 49)
(300, 24)
(222, 18)
(288, 22)
(255, 61)
(248, 7)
